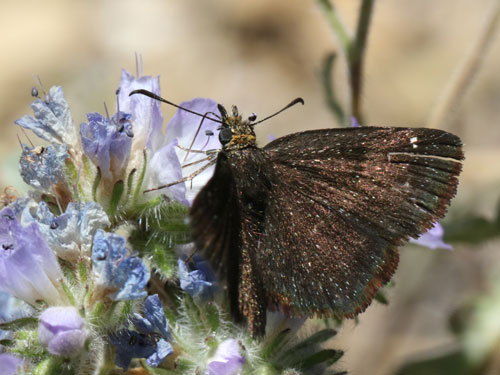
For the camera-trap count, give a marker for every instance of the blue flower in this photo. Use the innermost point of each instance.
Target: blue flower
(52, 120)
(43, 167)
(10, 364)
(151, 340)
(107, 143)
(11, 309)
(28, 268)
(62, 330)
(227, 359)
(118, 276)
(199, 282)
(70, 234)
(433, 239)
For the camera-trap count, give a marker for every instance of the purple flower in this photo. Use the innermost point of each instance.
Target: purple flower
(70, 234)
(167, 158)
(151, 340)
(118, 276)
(62, 331)
(433, 239)
(146, 114)
(354, 122)
(197, 282)
(43, 167)
(28, 268)
(227, 359)
(107, 143)
(52, 120)
(10, 364)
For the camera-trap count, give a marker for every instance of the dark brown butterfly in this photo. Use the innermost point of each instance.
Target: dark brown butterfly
(310, 223)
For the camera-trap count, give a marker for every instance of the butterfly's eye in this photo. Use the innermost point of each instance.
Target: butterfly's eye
(225, 135)
(252, 117)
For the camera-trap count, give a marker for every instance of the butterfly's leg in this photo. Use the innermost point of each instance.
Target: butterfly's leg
(184, 179)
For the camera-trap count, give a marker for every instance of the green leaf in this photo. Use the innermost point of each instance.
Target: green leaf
(327, 80)
(301, 352)
(471, 230)
(22, 323)
(82, 272)
(193, 313)
(380, 297)
(454, 362)
(68, 293)
(140, 181)
(273, 343)
(327, 357)
(130, 184)
(95, 185)
(212, 316)
(116, 196)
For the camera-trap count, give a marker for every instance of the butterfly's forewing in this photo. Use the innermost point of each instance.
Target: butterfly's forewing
(216, 227)
(342, 200)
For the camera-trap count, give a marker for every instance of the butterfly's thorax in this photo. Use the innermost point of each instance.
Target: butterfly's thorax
(243, 134)
(252, 172)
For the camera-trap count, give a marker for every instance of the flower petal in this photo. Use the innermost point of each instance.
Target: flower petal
(165, 168)
(433, 239)
(107, 143)
(10, 364)
(52, 120)
(42, 167)
(28, 268)
(62, 330)
(146, 113)
(227, 359)
(183, 127)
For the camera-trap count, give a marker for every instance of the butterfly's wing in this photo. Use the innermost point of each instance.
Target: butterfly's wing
(216, 227)
(342, 201)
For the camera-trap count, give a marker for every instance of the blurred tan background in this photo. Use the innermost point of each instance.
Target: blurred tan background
(260, 54)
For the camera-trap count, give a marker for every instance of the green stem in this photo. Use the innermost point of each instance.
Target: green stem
(353, 48)
(338, 27)
(462, 79)
(356, 56)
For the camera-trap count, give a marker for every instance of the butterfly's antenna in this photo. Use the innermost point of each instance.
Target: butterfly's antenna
(197, 131)
(291, 104)
(159, 98)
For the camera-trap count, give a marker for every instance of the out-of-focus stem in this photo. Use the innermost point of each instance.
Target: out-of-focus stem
(461, 80)
(353, 48)
(337, 25)
(356, 56)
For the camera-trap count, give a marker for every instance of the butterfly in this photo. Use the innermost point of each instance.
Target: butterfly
(309, 224)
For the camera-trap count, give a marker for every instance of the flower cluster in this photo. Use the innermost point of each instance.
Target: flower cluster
(79, 252)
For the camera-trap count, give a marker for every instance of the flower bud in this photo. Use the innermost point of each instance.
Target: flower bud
(62, 330)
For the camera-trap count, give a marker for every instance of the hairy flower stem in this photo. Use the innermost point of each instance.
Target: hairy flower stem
(463, 77)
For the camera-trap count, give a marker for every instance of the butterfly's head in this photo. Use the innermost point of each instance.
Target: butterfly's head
(235, 132)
